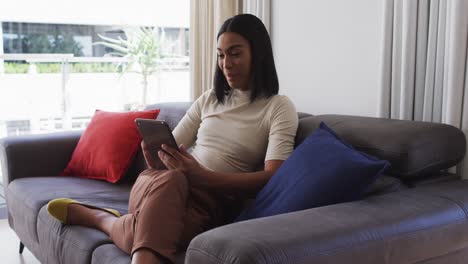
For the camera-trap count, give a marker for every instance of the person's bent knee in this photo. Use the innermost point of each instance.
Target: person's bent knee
(152, 172)
(172, 178)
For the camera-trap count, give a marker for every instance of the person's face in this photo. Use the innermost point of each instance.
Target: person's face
(235, 59)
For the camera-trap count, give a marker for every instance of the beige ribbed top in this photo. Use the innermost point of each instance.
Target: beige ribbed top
(238, 136)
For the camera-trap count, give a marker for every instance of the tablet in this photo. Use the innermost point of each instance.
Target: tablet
(155, 133)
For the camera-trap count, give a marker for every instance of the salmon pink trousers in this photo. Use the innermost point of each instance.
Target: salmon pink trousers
(165, 213)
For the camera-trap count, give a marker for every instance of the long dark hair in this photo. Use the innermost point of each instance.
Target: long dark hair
(264, 77)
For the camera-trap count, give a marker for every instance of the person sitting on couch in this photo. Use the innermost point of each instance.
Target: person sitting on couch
(232, 129)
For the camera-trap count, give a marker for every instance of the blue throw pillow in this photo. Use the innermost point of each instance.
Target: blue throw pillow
(322, 170)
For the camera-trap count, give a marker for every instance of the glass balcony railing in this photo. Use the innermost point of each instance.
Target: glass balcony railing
(42, 93)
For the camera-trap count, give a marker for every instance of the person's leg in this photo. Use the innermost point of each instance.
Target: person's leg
(157, 207)
(161, 218)
(144, 255)
(93, 218)
(207, 210)
(103, 221)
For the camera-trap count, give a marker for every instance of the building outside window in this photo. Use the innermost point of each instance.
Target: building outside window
(53, 76)
(33, 38)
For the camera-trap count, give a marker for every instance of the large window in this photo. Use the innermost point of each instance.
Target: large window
(54, 75)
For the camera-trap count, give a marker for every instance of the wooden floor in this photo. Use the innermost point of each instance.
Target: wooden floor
(9, 245)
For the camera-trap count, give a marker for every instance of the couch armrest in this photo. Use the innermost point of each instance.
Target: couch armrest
(402, 227)
(36, 155)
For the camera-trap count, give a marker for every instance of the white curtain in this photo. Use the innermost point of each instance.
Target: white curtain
(424, 62)
(260, 8)
(206, 17)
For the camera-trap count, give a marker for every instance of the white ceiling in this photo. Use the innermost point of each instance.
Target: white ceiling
(168, 13)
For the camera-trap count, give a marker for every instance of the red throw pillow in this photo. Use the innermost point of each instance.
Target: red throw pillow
(108, 145)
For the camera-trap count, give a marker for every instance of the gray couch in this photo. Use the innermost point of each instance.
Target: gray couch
(415, 214)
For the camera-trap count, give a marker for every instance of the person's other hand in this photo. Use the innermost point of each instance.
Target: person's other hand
(181, 160)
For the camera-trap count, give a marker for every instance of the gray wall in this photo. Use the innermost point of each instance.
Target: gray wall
(327, 54)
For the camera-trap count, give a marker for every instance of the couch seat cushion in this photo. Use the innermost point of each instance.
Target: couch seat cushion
(110, 254)
(65, 243)
(26, 196)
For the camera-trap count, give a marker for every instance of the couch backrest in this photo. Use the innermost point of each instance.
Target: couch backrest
(415, 149)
